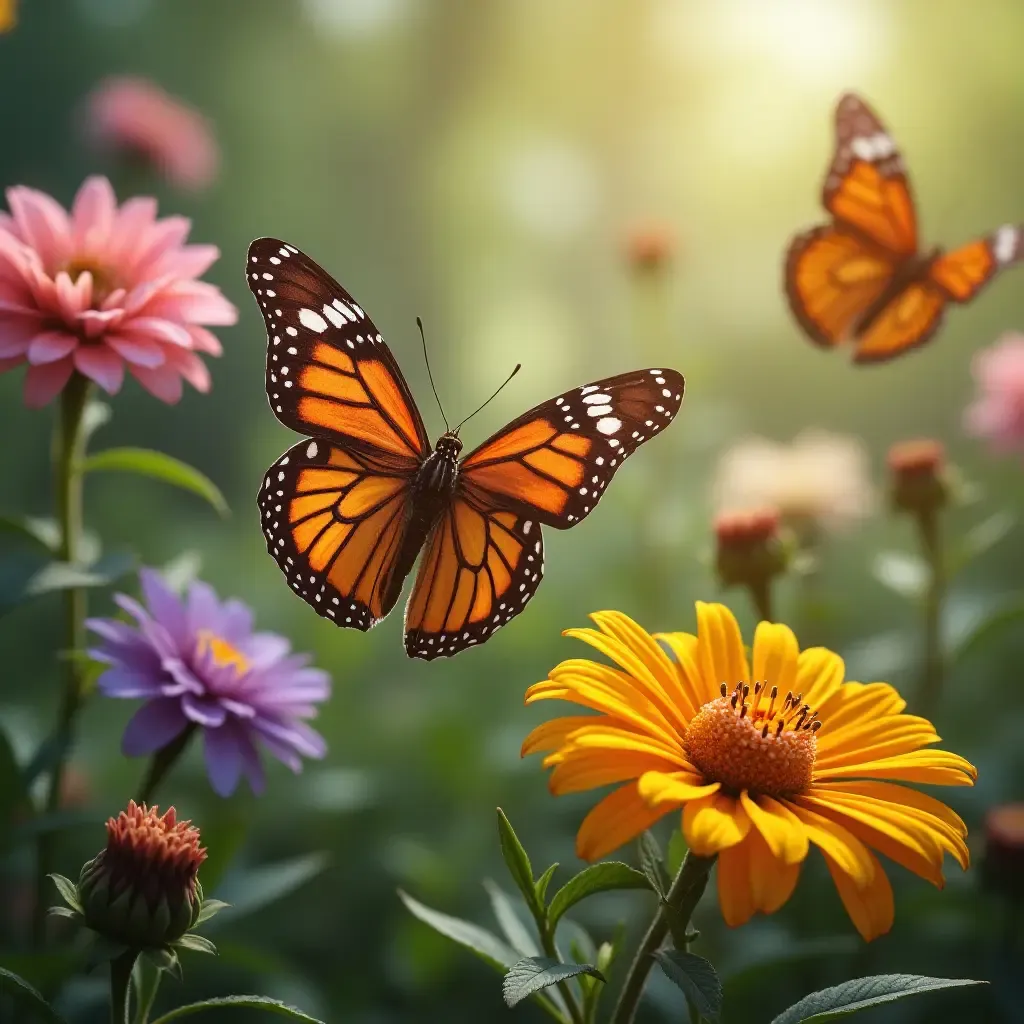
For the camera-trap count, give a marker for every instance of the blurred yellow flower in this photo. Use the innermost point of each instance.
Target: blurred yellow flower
(8, 15)
(819, 480)
(763, 758)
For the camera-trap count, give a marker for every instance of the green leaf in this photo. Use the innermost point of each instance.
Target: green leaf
(73, 915)
(43, 534)
(652, 864)
(543, 882)
(159, 466)
(851, 996)
(483, 943)
(255, 888)
(181, 570)
(25, 995)
(68, 891)
(517, 861)
(274, 1006)
(1007, 614)
(601, 877)
(55, 576)
(197, 943)
(538, 972)
(164, 960)
(209, 908)
(697, 979)
(146, 981)
(904, 574)
(518, 935)
(981, 538)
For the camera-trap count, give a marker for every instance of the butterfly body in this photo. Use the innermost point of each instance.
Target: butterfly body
(347, 511)
(862, 278)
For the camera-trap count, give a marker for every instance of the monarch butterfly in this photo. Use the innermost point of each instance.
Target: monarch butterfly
(347, 511)
(862, 277)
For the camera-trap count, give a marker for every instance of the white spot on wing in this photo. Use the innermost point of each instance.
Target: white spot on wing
(311, 450)
(313, 320)
(609, 425)
(334, 316)
(1004, 246)
(599, 410)
(597, 399)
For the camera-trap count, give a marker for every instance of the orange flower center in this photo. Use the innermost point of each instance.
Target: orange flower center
(755, 744)
(221, 651)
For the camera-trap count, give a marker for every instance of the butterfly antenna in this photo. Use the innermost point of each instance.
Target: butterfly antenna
(519, 366)
(423, 338)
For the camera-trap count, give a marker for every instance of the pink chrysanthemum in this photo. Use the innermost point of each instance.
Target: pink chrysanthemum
(101, 288)
(998, 412)
(135, 117)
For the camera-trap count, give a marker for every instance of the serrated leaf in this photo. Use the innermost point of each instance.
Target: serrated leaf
(209, 908)
(197, 943)
(543, 882)
(68, 891)
(159, 466)
(22, 993)
(516, 860)
(860, 993)
(652, 864)
(538, 972)
(263, 1003)
(483, 943)
(601, 877)
(904, 574)
(696, 977)
(512, 926)
(255, 888)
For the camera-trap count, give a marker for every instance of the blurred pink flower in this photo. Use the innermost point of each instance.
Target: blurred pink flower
(137, 118)
(998, 412)
(101, 288)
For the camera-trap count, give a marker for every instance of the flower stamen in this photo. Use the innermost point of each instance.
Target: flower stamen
(220, 652)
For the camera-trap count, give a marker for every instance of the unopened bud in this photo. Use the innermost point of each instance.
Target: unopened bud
(918, 477)
(649, 247)
(749, 550)
(1003, 863)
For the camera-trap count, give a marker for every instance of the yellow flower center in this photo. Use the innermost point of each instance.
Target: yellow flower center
(221, 651)
(755, 744)
(103, 282)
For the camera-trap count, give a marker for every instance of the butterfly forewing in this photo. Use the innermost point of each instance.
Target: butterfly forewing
(329, 372)
(554, 462)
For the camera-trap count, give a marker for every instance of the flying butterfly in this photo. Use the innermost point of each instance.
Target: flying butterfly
(347, 511)
(862, 278)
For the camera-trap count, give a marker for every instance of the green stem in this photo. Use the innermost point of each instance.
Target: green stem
(761, 593)
(163, 760)
(68, 449)
(547, 941)
(121, 987)
(677, 908)
(933, 669)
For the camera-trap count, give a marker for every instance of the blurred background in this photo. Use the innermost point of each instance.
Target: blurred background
(583, 188)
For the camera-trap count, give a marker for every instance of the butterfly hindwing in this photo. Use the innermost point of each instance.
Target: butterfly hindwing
(329, 372)
(553, 463)
(962, 273)
(334, 520)
(481, 565)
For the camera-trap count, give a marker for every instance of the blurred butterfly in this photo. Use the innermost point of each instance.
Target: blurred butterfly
(862, 278)
(347, 511)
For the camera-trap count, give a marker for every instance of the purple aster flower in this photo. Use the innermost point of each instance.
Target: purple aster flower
(197, 663)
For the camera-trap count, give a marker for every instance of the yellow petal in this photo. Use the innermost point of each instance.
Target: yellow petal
(775, 656)
(772, 881)
(659, 787)
(870, 907)
(932, 767)
(720, 654)
(735, 892)
(618, 818)
(854, 702)
(819, 674)
(714, 823)
(579, 770)
(849, 853)
(696, 688)
(551, 735)
(778, 826)
(871, 739)
(605, 737)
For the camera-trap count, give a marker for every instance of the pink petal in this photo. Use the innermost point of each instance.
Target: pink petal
(43, 383)
(164, 382)
(191, 367)
(92, 216)
(200, 303)
(16, 334)
(95, 323)
(158, 330)
(138, 350)
(163, 236)
(41, 222)
(101, 365)
(50, 346)
(189, 261)
(204, 341)
(73, 297)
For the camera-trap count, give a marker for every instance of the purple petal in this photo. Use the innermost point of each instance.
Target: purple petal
(116, 682)
(264, 649)
(183, 679)
(237, 708)
(223, 759)
(278, 689)
(207, 713)
(297, 735)
(153, 726)
(251, 764)
(164, 606)
(203, 610)
(282, 752)
(112, 630)
(236, 621)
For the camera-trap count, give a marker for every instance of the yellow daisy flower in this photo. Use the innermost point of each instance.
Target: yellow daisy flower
(764, 759)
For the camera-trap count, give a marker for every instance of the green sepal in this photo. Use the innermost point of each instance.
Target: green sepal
(197, 943)
(68, 891)
(207, 909)
(163, 958)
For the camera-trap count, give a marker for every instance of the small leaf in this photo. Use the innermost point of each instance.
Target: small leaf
(146, 982)
(25, 995)
(74, 915)
(981, 538)
(859, 993)
(181, 570)
(66, 576)
(697, 979)
(255, 888)
(164, 960)
(68, 891)
(209, 908)
(43, 534)
(516, 860)
(483, 943)
(94, 416)
(159, 466)
(197, 943)
(518, 935)
(601, 877)
(1007, 614)
(543, 882)
(274, 1006)
(538, 972)
(906, 575)
(652, 864)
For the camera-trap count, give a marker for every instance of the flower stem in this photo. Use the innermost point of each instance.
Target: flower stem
(121, 986)
(163, 761)
(933, 669)
(68, 448)
(761, 593)
(677, 908)
(547, 941)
